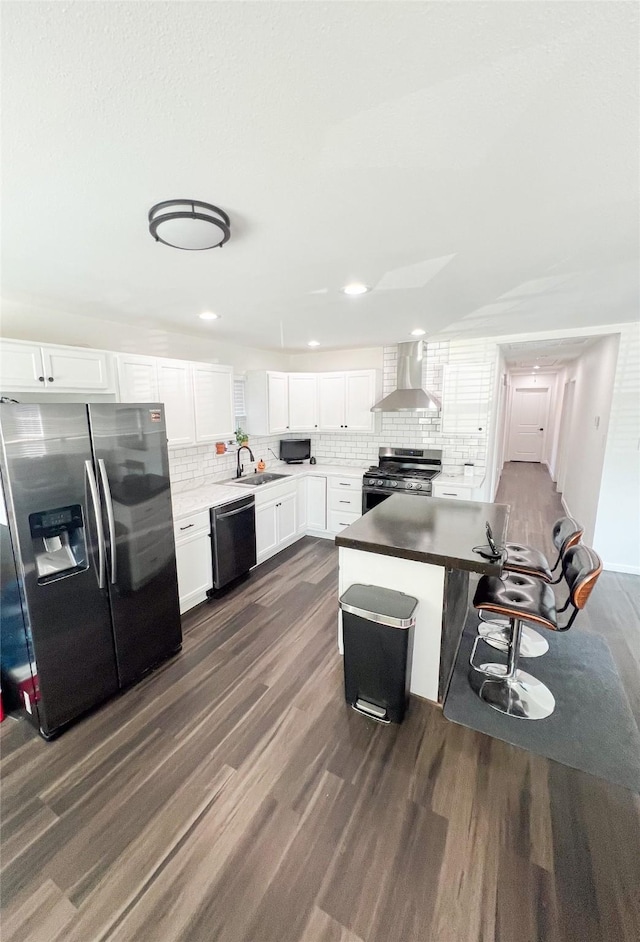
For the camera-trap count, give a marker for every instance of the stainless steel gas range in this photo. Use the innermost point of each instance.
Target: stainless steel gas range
(400, 471)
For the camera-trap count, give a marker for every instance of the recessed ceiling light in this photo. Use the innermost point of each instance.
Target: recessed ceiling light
(417, 332)
(536, 367)
(209, 316)
(355, 288)
(313, 343)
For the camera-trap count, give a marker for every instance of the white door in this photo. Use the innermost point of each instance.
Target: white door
(278, 397)
(286, 518)
(174, 389)
(331, 401)
(529, 410)
(21, 366)
(316, 503)
(266, 529)
(359, 397)
(77, 370)
(303, 402)
(212, 401)
(138, 379)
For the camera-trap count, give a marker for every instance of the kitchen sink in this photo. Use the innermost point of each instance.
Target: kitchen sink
(265, 477)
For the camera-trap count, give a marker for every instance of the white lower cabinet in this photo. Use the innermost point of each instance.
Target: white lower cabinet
(316, 502)
(193, 559)
(470, 490)
(344, 502)
(301, 505)
(276, 520)
(340, 519)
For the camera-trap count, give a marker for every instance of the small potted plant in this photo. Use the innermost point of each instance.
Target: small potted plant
(241, 437)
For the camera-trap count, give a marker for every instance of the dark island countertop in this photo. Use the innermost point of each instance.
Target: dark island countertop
(429, 530)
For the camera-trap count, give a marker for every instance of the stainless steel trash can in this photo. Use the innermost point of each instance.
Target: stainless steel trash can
(377, 629)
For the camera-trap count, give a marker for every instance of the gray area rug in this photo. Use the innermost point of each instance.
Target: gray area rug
(592, 727)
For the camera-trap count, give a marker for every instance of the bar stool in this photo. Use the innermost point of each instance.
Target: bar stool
(531, 563)
(508, 689)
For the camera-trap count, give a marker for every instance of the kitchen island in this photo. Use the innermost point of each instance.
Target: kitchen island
(424, 547)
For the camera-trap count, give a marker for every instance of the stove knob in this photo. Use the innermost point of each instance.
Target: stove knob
(379, 483)
(394, 484)
(371, 481)
(418, 487)
(409, 486)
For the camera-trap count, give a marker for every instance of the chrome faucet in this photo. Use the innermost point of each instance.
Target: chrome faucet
(240, 467)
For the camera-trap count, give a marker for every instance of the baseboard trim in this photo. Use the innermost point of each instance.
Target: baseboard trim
(622, 567)
(566, 506)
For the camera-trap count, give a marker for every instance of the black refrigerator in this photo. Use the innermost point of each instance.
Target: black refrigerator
(89, 594)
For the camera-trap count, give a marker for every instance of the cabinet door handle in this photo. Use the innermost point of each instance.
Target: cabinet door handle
(50, 379)
(41, 379)
(344, 502)
(187, 526)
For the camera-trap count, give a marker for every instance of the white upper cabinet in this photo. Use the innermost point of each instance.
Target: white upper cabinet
(212, 401)
(27, 366)
(303, 402)
(346, 400)
(21, 366)
(360, 395)
(174, 389)
(331, 400)
(278, 402)
(137, 378)
(77, 370)
(267, 403)
(198, 397)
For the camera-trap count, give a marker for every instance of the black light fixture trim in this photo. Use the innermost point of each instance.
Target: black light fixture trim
(214, 215)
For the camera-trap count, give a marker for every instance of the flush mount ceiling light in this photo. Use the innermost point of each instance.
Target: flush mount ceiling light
(417, 332)
(536, 367)
(355, 288)
(189, 224)
(208, 316)
(313, 343)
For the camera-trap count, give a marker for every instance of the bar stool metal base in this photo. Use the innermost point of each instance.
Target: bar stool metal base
(497, 634)
(521, 695)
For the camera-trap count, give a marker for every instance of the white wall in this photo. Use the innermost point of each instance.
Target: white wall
(320, 361)
(594, 374)
(21, 322)
(617, 528)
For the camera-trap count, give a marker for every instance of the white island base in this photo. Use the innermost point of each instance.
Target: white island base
(425, 582)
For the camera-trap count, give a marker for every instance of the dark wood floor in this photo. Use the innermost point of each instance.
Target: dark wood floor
(232, 796)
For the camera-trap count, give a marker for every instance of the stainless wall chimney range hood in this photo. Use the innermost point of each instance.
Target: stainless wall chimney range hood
(409, 396)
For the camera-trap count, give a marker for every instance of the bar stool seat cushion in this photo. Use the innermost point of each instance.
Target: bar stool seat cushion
(529, 561)
(517, 596)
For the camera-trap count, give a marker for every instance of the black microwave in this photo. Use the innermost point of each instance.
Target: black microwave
(295, 450)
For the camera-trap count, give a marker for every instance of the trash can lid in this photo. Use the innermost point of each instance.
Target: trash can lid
(385, 606)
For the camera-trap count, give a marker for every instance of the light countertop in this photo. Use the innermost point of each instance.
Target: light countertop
(197, 495)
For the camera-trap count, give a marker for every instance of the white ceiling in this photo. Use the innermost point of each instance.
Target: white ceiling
(548, 355)
(477, 162)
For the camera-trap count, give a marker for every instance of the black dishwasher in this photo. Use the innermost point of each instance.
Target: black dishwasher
(233, 540)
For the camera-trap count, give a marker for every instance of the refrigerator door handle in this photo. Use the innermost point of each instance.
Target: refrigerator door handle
(93, 488)
(110, 517)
